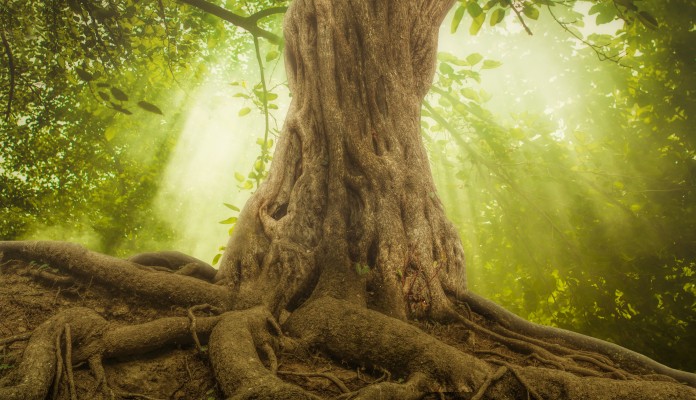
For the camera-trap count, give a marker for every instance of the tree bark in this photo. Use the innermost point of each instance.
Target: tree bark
(349, 208)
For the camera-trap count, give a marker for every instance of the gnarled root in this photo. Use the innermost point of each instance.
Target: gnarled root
(589, 349)
(121, 274)
(234, 353)
(91, 338)
(359, 335)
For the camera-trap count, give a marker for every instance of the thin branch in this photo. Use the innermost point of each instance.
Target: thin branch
(11, 67)
(266, 13)
(247, 23)
(257, 49)
(601, 55)
(519, 16)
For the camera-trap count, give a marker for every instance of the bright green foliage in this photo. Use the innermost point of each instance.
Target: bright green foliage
(91, 110)
(583, 217)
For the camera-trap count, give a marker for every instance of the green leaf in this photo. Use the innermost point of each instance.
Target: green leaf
(476, 24)
(490, 4)
(458, 14)
(490, 64)
(272, 55)
(217, 258)
(648, 20)
(239, 177)
(232, 206)
(474, 58)
(230, 220)
(496, 16)
(244, 111)
(84, 75)
(121, 109)
(110, 133)
(119, 94)
(149, 107)
(248, 185)
(530, 11)
(471, 94)
(446, 68)
(604, 18)
(474, 9)
(104, 96)
(271, 96)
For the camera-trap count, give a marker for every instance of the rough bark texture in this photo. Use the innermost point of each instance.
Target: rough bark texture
(335, 263)
(349, 204)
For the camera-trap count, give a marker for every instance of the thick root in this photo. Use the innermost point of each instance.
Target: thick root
(89, 338)
(117, 273)
(361, 336)
(234, 353)
(358, 335)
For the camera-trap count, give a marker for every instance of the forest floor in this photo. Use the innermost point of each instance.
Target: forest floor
(29, 295)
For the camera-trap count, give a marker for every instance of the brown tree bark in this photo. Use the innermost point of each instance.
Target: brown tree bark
(349, 208)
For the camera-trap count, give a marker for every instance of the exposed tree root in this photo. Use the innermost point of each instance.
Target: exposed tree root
(238, 368)
(245, 349)
(97, 338)
(362, 336)
(120, 274)
(587, 346)
(331, 377)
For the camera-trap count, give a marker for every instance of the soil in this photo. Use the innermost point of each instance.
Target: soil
(172, 372)
(31, 293)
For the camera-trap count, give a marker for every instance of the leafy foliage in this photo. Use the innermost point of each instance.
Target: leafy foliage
(582, 216)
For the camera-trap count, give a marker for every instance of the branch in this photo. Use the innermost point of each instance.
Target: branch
(10, 65)
(247, 23)
(267, 13)
(519, 16)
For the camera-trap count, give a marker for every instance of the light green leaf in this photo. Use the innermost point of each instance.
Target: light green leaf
(496, 16)
(244, 111)
(474, 58)
(230, 220)
(471, 94)
(458, 14)
(490, 64)
(232, 206)
(476, 24)
(216, 259)
(272, 55)
(110, 133)
(446, 68)
(239, 177)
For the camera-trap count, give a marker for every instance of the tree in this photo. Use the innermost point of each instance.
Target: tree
(347, 236)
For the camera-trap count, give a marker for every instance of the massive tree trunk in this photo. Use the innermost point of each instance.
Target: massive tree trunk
(349, 208)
